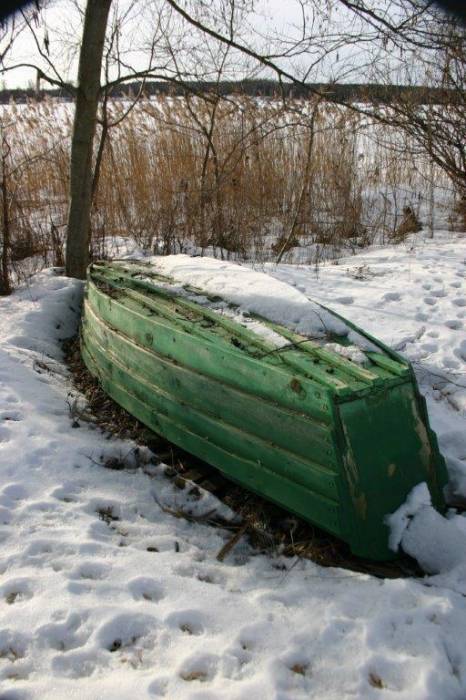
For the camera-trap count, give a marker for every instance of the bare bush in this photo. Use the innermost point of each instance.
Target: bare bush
(238, 177)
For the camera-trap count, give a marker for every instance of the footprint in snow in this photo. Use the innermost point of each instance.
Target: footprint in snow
(210, 575)
(429, 347)
(145, 588)
(80, 663)
(191, 622)
(13, 645)
(17, 671)
(451, 363)
(16, 492)
(461, 350)
(129, 637)
(454, 324)
(91, 570)
(12, 494)
(297, 663)
(68, 493)
(17, 590)
(237, 658)
(199, 667)
(345, 300)
(101, 532)
(5, 434)
(10, 398)
(6, 516)
(11, 415)
(90, 549)
(44, 507)
(459, 301)
(392, 296)
(455, 285)
(430, 301)
(63, 636)
(163, 543)
(41, 550)
(158, 687)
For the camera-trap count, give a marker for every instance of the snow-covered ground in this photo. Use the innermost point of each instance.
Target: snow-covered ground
(103, 594)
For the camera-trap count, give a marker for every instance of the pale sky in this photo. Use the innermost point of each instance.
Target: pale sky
(61, 23)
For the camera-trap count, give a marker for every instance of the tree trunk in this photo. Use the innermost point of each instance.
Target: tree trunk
(85, 119)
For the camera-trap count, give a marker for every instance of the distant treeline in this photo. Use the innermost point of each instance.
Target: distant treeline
(343, 92)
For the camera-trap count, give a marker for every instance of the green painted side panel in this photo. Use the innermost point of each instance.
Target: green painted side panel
(328, 368)
(206, 357)
(284, 491)
(217, 431)
(280, 427)
(336, 443)
(388, 449)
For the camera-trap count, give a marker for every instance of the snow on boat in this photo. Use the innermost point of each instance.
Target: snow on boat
(311, 412)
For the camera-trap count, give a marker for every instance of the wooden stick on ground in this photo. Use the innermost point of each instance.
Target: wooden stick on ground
(228, 546)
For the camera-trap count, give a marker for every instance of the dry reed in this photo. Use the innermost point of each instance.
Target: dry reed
(239, 177)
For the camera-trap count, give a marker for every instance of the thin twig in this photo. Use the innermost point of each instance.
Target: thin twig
(228, 546)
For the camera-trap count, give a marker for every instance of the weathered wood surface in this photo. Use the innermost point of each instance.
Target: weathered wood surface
(336, 443)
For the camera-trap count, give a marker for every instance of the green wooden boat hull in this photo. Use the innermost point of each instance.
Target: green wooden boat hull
(338, 444)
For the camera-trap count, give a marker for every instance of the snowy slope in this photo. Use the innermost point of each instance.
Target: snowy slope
(90, 611)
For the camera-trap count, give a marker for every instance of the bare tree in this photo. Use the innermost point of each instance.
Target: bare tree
(408, 40)
(99, 51)
(427, 47)
(85, 120)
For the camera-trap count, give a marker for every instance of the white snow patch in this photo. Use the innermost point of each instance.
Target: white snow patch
(257, 327)
(257, 293)
(222, 308)
(351, 352)
(398, 521)
(139, 606)
(436, 542)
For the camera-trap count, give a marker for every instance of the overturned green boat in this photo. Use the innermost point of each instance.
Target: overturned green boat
(336, 441)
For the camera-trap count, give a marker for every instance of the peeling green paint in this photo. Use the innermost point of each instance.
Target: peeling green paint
(339, 445)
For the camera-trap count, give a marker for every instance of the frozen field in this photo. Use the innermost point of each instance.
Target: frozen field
(105, 595)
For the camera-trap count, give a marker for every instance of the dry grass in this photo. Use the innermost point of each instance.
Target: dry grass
(242, 178)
